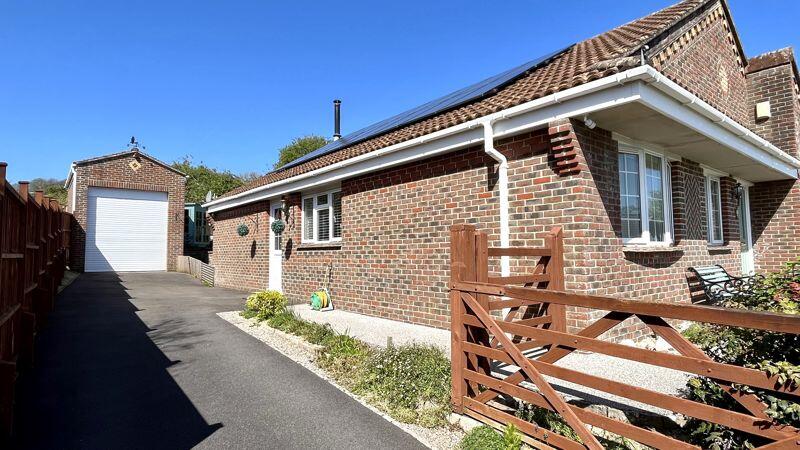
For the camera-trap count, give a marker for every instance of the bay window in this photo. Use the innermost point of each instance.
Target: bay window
(322, 217)
(645, 197)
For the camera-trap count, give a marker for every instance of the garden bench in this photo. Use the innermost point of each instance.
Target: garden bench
(718, 284)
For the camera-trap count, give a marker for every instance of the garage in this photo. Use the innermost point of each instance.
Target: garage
(128, 211)
(127, 230)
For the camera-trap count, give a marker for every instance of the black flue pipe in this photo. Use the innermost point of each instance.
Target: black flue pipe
(337, 131)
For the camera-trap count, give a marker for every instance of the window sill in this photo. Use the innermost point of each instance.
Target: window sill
(719, 248)
(651, 249)
(321, 246)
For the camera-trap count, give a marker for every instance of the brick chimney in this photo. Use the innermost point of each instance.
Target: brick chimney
(774, 99)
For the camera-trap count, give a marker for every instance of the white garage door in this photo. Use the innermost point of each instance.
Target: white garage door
(126, 230)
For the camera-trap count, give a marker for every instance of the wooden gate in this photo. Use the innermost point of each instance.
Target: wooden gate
(534, 318)
(34, 237)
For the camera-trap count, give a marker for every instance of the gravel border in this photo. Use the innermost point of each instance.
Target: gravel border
(304, 353)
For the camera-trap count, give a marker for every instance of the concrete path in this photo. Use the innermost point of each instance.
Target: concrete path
(141, 360)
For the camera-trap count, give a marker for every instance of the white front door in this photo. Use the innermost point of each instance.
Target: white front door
(745, 235)
(275, 248)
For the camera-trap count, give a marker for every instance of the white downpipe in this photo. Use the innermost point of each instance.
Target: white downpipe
(502, 183)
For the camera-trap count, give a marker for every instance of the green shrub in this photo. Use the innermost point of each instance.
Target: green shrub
(546, 419)
(486, 438)
(482, 438)
(775, 353)
(410, 381)
(265, 304)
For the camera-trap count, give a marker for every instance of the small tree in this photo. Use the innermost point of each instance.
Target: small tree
(203, 179)
(52, 187)
(299, 147)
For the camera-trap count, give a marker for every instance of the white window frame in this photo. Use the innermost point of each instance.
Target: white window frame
(631, 147)
(715, 176)
(315, 210)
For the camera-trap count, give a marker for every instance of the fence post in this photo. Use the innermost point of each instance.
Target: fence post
(462, 268)
(481, 336)
(555, 268)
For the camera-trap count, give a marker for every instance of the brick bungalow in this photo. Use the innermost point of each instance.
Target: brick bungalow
(657, 146)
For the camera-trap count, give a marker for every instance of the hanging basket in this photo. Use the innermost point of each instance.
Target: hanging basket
(242, 230)
(278, 226)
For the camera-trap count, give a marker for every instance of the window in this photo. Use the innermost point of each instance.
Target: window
(200, 227)
(322, 217)
(714, 210)
(277, 214)
(645, 203)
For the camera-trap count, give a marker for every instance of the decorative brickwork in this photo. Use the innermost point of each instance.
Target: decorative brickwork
(704, 59)
(115, 172)
(563, 148)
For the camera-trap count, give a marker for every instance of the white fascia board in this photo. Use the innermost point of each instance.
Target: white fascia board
(686, 98)
(447, 140)
(70, 174)
(578, 100)
(402, 156)
(705, 125)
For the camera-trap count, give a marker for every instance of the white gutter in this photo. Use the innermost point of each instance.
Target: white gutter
(693, 102)
(70, 180)
(645, 74)
(502, 183)
(621, 78)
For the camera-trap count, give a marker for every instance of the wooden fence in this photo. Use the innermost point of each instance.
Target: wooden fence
(481, 338)
(196, 268)
(34, 237)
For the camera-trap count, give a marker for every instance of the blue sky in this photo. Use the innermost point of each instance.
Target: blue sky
(231, 82)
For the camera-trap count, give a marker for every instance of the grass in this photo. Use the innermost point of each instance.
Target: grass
(411, 383)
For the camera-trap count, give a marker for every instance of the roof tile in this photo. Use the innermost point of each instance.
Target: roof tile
(594, 58)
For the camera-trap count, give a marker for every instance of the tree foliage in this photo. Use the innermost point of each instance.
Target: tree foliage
(52, 187)
(203, 179)
(299, 147)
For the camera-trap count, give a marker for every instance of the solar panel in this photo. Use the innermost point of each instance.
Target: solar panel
(432, 108)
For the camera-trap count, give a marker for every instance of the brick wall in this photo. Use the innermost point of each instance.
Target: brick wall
(775, 213)
(393, 260)
(241, 262)
(777, 85)
(116, 173)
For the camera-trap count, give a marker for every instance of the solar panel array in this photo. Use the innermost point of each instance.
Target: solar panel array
(430, 109)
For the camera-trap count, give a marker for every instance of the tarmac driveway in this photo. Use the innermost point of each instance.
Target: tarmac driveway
(141, 361)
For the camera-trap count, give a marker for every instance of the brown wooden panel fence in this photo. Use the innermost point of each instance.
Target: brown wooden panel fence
(481, 337)
(34, 238)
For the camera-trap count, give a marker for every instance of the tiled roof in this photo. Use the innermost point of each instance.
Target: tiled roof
(124, 153)
(603, 55)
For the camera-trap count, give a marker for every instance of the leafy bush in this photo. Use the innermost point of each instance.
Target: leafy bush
(486, 438)
(546, 419)
(775, 353)
(412, 381)
(265, 304)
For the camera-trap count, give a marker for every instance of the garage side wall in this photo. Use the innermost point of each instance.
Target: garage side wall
(117, 173)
